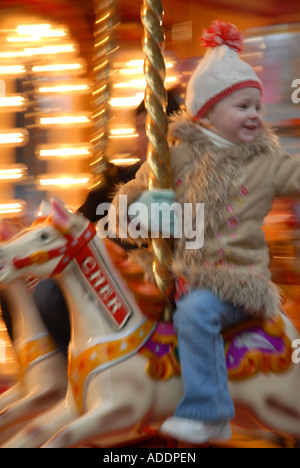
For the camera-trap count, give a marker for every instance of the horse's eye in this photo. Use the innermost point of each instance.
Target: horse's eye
(44, 236)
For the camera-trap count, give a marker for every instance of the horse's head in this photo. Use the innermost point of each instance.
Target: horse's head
(47, 247)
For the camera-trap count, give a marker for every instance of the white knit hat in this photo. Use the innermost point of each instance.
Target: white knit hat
(221, 71)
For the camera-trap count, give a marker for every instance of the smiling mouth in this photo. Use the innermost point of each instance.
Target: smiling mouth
(250, 127)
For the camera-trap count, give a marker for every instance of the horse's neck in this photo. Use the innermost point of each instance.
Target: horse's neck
(89, 320)
(26, 319)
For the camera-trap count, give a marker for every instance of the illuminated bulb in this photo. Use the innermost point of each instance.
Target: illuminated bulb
(64, 88)
(139, 64)
(16, 137)
(123, 133)
(127, 101)
(12, 69)
(30, 33)
(131, 84)
(135, 63)
(134, 84)
(18, 53)
(12, 172)
(64, 152)
(32, 29)
(9, 102)
(124, 161)
(65, 120)
(131, 71)
(57, 67)
(11, 208)
(47, 50)
(64, 182)
(171, 79)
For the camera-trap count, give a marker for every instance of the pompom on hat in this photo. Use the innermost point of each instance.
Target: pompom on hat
(221, 71)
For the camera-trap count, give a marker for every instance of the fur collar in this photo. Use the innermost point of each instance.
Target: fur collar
(182, 128)
(213, 172)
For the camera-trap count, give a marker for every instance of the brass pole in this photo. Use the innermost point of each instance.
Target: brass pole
(105, 42)
(158, 153)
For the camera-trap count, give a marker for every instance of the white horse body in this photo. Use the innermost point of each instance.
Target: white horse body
(119, 395)
(43, 372)
(270, 399)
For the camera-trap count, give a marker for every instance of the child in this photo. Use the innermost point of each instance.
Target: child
(229, 160)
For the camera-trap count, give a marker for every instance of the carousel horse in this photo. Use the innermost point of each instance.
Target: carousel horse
(42, 379)
(123, 366)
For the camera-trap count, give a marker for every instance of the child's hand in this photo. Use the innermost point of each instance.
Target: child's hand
(157, 196)
(153, 218)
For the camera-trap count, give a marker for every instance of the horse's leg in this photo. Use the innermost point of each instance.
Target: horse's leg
(32, 404)
(43, 386)
(41, 429)
(117, 400)
(9, 397)
(101, 421)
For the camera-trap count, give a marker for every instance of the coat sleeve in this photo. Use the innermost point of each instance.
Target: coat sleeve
(126, 195)
(287, 175)
(132, 190)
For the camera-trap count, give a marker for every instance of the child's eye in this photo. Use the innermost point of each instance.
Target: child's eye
(243, 106)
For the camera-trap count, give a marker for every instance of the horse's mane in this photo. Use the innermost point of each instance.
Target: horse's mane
(148, 297)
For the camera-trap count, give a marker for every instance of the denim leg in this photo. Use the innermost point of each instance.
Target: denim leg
(198, 320)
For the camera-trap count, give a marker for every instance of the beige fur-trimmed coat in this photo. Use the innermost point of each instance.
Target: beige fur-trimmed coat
(237, 186)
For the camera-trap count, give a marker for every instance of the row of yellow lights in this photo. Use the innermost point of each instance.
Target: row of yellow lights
(17, 137)
(13, 173)
(127, 133)
(134, 68)
(15, 70)
(33, 33)
(45, 50)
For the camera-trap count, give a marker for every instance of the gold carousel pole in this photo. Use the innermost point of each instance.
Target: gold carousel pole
(105, 42)
(158, 153)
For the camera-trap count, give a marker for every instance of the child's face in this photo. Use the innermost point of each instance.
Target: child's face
(237, 118)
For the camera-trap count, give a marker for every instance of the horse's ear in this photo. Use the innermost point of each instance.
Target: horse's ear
(45, 209)
(60, 214)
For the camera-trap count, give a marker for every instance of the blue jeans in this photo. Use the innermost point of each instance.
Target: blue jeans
(199, 318)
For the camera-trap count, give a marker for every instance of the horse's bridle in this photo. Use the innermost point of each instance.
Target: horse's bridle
(68, 252)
